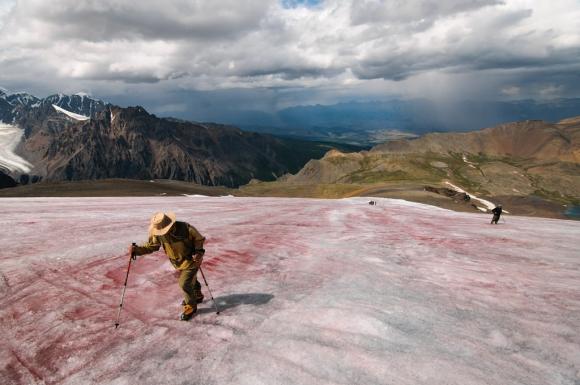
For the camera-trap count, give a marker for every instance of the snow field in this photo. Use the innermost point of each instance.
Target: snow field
(311, 292)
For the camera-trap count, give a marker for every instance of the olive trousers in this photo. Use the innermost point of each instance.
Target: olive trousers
(191, 287)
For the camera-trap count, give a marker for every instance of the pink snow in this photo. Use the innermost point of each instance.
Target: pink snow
(311, 292)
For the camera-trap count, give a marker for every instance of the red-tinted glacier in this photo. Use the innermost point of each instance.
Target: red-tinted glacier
(311, 292)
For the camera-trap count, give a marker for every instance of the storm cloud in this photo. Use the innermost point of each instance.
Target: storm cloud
(309, 49)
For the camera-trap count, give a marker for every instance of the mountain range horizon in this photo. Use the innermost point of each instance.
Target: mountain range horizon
(361, 122)
(78, 138)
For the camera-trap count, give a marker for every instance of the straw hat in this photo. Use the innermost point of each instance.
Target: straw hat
(161, 223)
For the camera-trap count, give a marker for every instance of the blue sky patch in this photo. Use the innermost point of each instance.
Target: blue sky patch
(298, 3)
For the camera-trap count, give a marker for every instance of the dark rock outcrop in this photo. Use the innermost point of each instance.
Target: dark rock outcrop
(6, 180)
(455, 195)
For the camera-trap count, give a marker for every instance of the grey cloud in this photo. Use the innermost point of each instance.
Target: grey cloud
(285, 66)
(286, 73)
(105, 20)
(399, 68)
(330, 48)
(491, 45)
(422, 13)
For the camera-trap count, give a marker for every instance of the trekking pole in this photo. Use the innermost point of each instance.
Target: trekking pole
(131, 258)
(208, 289)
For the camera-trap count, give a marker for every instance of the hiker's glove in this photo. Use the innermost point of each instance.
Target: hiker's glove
(197, 260)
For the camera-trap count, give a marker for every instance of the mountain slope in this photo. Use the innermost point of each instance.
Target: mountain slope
(130, 143)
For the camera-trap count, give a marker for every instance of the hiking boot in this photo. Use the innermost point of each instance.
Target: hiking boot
(188, 312)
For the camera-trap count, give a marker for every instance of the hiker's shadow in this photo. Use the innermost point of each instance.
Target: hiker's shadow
(233, 300)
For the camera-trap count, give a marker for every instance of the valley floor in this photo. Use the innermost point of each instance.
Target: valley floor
(312, 291)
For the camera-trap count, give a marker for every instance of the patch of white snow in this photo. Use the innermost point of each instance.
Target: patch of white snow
(488, 204)
(71, 114)
(471, 164)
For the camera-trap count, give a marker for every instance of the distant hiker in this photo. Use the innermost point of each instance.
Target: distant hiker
(183, 244)
(496, 214)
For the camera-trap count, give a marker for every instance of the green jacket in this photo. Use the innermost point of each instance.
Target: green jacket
(179, 244)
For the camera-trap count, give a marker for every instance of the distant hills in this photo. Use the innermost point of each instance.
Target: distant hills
(76, 137)
(529, 139)
(518, 158)
(532, 166)
(370, 123)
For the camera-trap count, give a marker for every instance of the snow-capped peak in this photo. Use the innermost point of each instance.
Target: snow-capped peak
(22, 97)
(67, 99)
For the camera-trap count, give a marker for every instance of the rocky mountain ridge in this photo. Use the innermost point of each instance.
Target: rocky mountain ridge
(522, 159)
(14, 107)
(115, 142)
(526, 139)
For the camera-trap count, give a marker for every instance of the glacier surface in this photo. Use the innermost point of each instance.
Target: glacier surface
(311, 292)
(10, 136)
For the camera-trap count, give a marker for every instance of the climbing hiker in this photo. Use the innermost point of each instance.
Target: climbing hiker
(183, 244)
(496, 214)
